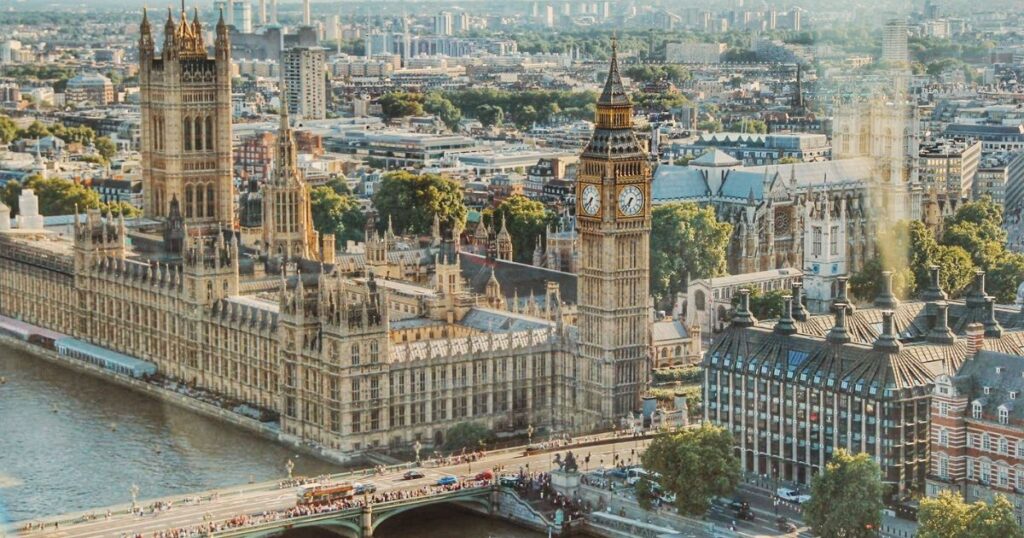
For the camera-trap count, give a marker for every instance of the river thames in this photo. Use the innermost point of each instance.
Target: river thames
(70, 442)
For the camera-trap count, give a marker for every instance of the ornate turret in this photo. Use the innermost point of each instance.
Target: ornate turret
(504, 242)
(146, 46)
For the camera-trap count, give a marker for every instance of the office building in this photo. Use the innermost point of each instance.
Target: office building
(306, 85)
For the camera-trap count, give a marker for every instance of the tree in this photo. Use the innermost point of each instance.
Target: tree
(35, 130)
(8, 130)
(695, 464)
(490, 115)
(105, 147)
(1005, 276)
(336, 214)
(401, 104)
(437, 104)
(948, 516)
(846, 498)
(712, 126)
(526, 220)
(467, 435)
(764, 305)
(789, 160)
(412, 200)
(977, 227)
(683, 161)
(120, 208)
(687, 240)
(866, 284)
(956, 269)
(56, 196)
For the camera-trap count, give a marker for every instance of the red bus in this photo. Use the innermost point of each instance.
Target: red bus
(320, 494)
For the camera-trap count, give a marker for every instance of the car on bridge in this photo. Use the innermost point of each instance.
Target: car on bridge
(484, 475)
(792, 495)
(412, 475)
(447, 480)
(361, 489)
(509, 480)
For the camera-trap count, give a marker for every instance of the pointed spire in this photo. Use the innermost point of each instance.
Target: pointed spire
(613, 94)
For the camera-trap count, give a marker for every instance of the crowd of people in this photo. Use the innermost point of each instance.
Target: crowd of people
(304, 510)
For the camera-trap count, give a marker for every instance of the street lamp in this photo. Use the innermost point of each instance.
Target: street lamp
(417, 447)
(289, 466)
(134, 491)
(529, 434)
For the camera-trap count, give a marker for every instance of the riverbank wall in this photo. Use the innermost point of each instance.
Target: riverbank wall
(266, 430)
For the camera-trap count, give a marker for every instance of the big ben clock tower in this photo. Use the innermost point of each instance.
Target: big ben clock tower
(613, 211)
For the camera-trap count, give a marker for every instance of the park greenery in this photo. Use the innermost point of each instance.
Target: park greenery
(948, 516)
(846, 498)
(526, 221)
(687, 242)
(695, 464)
(411, 201)
(336, 211)
(490, 106)
(972, 238)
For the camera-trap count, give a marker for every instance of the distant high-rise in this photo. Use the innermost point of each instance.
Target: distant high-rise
(460, 22)
(549, 15)
(894, 43)
(262, 12)
(443, 23)
(306, 87)
(306, 15)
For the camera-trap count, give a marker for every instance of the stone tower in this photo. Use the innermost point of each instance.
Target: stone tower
(186, 123)
(287, 216)
(614, 221)
(825, 249)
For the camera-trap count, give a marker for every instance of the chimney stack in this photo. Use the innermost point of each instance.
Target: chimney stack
(742, 316)
(976, 298)
(839, 334)
(786, 326)
(842, 298)
(799, 312)
(941, 333)
(992, 327)
(975, 338)
(887, 299)
(887, 341)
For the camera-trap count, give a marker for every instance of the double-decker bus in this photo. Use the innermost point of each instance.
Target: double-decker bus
(325, 494)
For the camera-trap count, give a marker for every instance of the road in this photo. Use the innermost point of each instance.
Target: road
(227, 503)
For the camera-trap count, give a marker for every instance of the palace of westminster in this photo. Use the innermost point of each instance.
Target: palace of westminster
(353, 351)
(391, 345)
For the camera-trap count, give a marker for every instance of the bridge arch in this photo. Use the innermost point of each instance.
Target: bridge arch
(343, 528)
(481, 501)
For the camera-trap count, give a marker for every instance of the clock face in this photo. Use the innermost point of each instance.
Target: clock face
(591, 201)
(631, 201)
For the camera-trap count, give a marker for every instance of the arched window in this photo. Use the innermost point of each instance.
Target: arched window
(355, 354)
(374, 352)
(986, 442)
(199, 201)
(199, 134)
(1004, 415)
(1004, 445)
(210, 201)
(976, 410)
(209, 133)
(699, 299)
(188, 201)
(187, 135)
(679, 351)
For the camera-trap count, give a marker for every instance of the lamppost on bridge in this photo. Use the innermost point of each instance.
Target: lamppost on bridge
(529, 434)
(289, 466)
(417, 447)
(134, 491)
